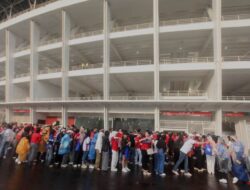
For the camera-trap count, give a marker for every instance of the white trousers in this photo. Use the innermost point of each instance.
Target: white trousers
(210, 164)
(114, 160)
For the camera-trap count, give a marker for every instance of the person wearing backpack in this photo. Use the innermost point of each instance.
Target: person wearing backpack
(209, 150)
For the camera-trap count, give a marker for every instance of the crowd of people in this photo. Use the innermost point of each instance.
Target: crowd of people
(111, 150)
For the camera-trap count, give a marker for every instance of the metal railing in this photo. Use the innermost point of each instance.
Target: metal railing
(131, 97)
(86, 34)
(21, 99)
(240, 98)
(85, 98)
(50, 41)
(236, 58)
(184, 21)
(85, 66)
(131, 63)
(186, 60)
(50, 70)
(48, 99)
(132, 27)
(22, 75)
(235, 17)
(177, 93)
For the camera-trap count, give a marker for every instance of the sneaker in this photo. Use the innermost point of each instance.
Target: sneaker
(51, 166)
(188, 174)
(91, 167)
(235, 180)
(64, 165)
(114, 170)
(70, 163)
(124, 170)
(163, 175)
(175, 172)
(84, 166)
(127, 169)
(146, 173)
(16, 160)
(182, 171)
(79, 165)
(223, 181)
(74, 166)
(4, 157)
(19, 162)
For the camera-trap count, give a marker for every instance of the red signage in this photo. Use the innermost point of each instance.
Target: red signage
(21, 111)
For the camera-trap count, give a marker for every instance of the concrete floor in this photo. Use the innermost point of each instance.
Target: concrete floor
(39, 177)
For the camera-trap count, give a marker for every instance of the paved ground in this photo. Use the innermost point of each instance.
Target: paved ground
(23, 177)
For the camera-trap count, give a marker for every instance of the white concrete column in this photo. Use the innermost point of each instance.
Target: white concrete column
(157, 119)
(156, 50)
(8, 114)
(34, 60)
(9, 68)
(105, 118)
(65, 53)
(217, 43)
(33, 118)
(64, 116)
(106, 49)
(9, 72)
(218, 122)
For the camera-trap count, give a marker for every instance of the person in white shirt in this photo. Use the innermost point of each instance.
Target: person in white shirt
(98, 149)
(185, 149)
(85, 148)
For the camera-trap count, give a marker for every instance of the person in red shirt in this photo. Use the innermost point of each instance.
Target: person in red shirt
(34, 143)
(115, 140)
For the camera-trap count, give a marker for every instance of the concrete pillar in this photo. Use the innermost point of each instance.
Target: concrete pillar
(9, 72)
(218, 122)
(8, 114)
(106, 50)
(157, 119)
(105, 118)
(33, 118)
(65, 54)
(64, 116)
(34, 59)
(9, 68)
(217, 42)
(156, 50)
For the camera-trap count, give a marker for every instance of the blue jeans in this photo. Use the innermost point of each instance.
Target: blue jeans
(138, 156)
(182, 157)
(159, 161)
(4, 148)
(85, 156)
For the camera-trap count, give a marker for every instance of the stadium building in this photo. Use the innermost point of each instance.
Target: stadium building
(149, 64)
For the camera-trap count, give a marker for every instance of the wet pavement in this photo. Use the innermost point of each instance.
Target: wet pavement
(39, 177)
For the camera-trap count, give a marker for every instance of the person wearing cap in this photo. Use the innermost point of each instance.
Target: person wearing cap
(185, 149)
